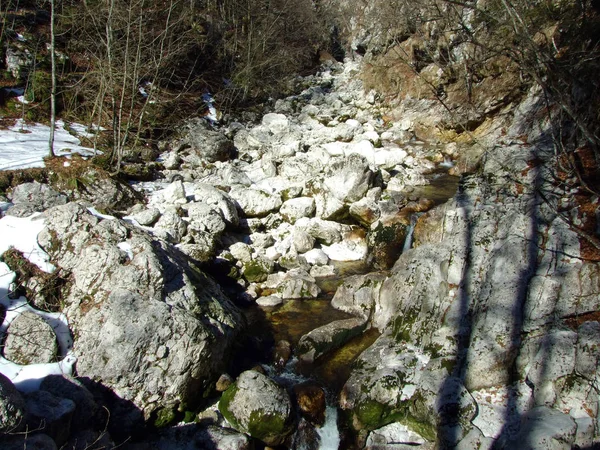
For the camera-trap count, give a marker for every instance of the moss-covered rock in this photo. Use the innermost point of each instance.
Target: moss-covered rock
(257, 405)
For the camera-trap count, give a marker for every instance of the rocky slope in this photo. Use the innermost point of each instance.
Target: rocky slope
(489, 327)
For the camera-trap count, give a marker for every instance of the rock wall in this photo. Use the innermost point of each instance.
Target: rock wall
(490, 326)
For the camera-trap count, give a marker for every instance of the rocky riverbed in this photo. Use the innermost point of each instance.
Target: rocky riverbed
(484, 334)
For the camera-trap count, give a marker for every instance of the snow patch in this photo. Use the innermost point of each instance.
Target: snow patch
(24, 146)
(21, 233)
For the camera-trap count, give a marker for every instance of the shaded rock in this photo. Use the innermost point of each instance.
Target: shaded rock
(544, 428)
(66, 387)
(29, 442)
(30, 340)
(282, 353)
(311, 401)
(12, 407)
(198, 437)
(329, 337)
(306, 436)
(51, 414)
(258, 406)
(89, 439)
(28, 198)
(224, 382)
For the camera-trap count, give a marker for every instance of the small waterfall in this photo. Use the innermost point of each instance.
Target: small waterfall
(329, 433)
(411, 229)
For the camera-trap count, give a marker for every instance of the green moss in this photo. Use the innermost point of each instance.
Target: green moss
(226, 399)
(270, 428)
(164, 417)
(256, 271)
(422, 428)
(371, 414)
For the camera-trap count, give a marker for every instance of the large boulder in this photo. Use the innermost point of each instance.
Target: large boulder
(147, 323)
(198, 138)
(257, 405)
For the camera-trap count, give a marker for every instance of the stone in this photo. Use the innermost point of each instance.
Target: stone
(147, 217)
(282, 353)
(316, 256)
(358, 294)
(295, 208)
(69, 388)
(51, 414)
(224, 382)
(174, 193)
(255, 203)
(394, 433)
(30, 340)
(220, 200)
(12, 407)
(276, 123)
(204, 217)
(28, 198)
(258, 269)
(325, 231)
(296, 284)
(327, 338)
(269, 301)
(352, 248)
(241, 251)
(208, 144)
(302, 241)
(311, 401)
(256, 405)
(172, 223)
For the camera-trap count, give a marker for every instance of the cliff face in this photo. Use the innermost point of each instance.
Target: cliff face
(490, 324)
